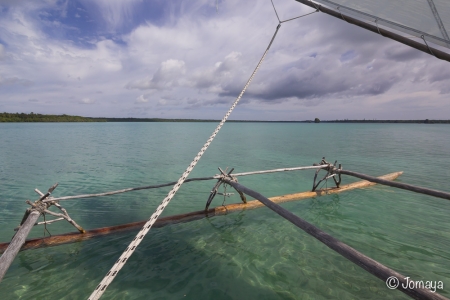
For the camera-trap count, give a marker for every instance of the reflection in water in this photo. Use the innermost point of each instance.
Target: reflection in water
(324, 208)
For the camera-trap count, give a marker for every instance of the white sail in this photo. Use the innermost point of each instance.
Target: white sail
(424, 19)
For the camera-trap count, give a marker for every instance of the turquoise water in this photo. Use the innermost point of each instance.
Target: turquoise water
(252, 254)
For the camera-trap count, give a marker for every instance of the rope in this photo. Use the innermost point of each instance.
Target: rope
(276, 13)
(431, 52)
(300, 16)
(273, 5)
(98, 292)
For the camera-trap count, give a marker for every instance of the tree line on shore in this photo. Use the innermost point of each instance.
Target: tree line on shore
(32, 117)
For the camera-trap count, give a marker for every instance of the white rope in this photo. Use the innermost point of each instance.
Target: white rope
(98, 292)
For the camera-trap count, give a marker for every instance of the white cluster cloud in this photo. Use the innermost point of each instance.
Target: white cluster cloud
(166, 77)
(87, 101)
(188, 58)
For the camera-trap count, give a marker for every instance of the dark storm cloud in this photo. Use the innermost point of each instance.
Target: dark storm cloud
(440, 73)
(337, 75)
(346, 61)
(15, 81)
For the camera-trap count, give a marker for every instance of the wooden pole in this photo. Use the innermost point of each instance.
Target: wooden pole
(17, 241)
(173, 183)
(124, 190)
(276, 170)
(365, 262)
(404, 186)
(68, 219)
(396, 37)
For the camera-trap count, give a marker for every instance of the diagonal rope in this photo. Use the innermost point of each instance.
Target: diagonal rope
(299, 16)
(98, 292)
(273, 5)
(276, 13)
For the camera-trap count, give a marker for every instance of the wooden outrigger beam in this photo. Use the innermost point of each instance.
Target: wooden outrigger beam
(29, 219)
(400, 185)
(182, 218)
(365, 262)
(11, 249)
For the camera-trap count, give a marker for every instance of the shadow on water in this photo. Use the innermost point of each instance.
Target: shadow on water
(189, 261)
(325, 208)
(245, 255)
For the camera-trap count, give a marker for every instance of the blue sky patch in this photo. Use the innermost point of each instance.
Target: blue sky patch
(347, 56)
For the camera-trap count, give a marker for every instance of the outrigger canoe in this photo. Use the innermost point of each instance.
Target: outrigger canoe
(73, 237)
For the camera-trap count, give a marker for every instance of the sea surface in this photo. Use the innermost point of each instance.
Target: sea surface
(253, 254)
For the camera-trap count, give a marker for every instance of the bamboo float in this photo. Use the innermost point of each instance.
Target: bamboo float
(370, 265)
(182, 218)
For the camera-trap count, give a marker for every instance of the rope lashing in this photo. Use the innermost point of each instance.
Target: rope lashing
(431, 52)
(378, 28)
(330, 174)
(220, 182)
(42, 207)
(342, 16)
(98, 292)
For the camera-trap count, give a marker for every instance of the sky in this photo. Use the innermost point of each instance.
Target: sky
(190, 59)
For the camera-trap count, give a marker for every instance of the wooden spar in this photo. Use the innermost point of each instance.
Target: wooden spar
(175, 182)
(386, 33)
(125, 190)
(182, 218)
(365, 262)
(28, 221)
(404, 186)
(275, 170)
(17, 241)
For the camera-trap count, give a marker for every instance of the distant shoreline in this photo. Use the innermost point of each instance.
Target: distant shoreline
(39, 118)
